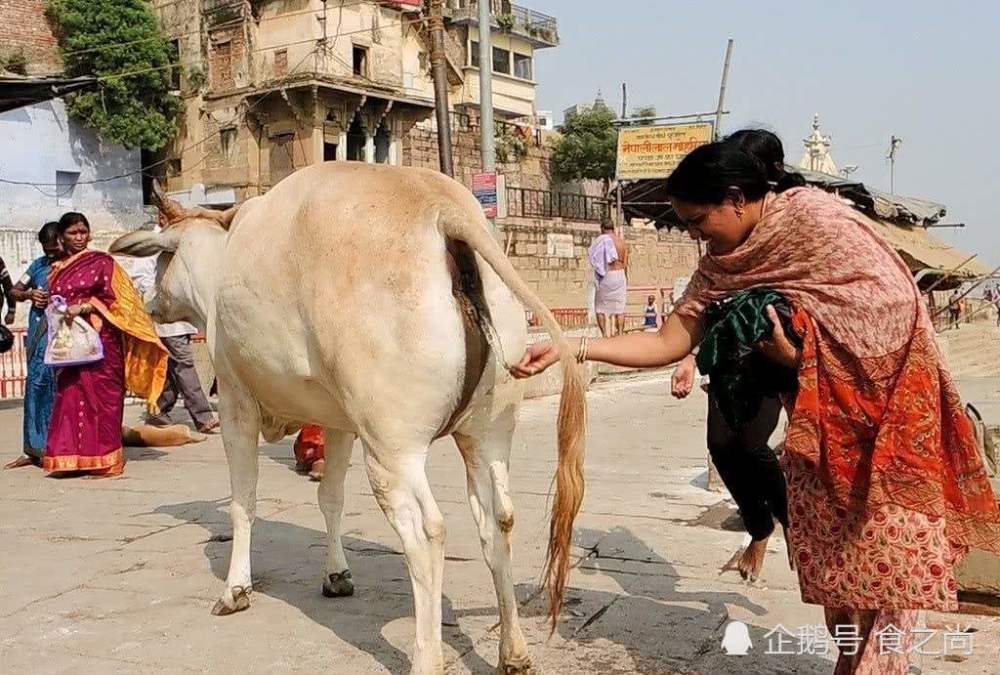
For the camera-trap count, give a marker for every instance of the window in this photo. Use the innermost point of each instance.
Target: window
(282, 157)
(474, 54)
(227, 140)
(360, 55)
(65, 186)
(281, 62)
(522, 66)
(329, 152)
(174, 54)
(501, 61)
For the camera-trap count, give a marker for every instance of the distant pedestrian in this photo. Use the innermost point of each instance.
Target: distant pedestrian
(182, 377)
(608, 256)
(955, 308)
(668, 306)
(40, 384)
(310, 451)
(649, 313)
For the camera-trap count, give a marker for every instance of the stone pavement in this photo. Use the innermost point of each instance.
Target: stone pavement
(119, 575)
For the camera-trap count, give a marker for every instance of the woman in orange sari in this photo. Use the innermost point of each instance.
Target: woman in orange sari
(85, 432)
(886, 488)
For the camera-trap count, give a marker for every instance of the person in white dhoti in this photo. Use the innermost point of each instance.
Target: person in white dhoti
(608, 256)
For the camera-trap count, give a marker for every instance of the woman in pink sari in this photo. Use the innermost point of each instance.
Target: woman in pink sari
(85, 432)
(886, 488)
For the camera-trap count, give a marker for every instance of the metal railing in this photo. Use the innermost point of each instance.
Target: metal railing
(14, 367)
(518, 19)
(527, 203)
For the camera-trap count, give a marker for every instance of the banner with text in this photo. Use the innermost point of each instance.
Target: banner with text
(653, 152)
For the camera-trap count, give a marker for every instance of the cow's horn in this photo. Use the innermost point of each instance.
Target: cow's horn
(170, 208)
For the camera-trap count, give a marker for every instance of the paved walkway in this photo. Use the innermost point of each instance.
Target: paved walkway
(119, 575)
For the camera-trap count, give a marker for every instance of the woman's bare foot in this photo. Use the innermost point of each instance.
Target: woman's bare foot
(752, 560)
(23, 460)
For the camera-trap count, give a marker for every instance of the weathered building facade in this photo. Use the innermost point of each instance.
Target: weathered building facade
(270, 86)
(52, 163)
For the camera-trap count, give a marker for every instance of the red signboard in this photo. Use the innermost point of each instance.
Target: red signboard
(484, 186)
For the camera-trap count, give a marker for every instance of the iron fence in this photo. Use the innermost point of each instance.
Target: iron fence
(528, 203)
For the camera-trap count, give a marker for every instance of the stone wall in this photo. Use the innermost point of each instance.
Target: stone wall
(551, 255)
(420, 148)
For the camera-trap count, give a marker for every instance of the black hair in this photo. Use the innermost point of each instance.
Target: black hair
(710, 172)
(766, 146)
(49, 234)
(71, 218)
(607, 225)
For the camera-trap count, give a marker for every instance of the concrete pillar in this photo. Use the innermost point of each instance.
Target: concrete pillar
(317, 146)
(369, 148)
(394, 159)
(342, 147)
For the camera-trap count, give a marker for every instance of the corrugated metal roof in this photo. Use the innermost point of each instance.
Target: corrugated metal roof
(16, 91)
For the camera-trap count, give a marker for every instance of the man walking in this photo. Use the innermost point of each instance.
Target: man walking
(608, 256)
(182, 378)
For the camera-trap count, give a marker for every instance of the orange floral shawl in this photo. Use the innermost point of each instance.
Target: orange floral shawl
(877, 413)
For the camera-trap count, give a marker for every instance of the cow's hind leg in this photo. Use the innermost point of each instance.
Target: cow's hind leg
(337, 580)
(486, 458)
(240, 420)
(399, 482)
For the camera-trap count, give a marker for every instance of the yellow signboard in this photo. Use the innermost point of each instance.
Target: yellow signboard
(653, 152)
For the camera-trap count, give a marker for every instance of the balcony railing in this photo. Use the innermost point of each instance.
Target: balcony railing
(541, 28)
(526, 203)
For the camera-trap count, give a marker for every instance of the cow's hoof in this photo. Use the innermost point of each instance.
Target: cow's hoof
(338, 585)
(516, 666)
(236, 599)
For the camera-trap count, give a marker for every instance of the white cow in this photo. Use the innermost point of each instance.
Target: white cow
(373, 301)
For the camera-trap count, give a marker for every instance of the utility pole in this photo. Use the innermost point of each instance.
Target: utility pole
(894, 145)
(619, 209)
(440, 73)
(487, 131)
(722, 90)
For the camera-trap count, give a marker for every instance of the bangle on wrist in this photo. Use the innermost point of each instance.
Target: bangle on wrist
(581, 353)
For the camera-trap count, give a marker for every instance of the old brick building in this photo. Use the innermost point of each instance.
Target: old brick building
(271, 86)
(26, 36)
(274, 85)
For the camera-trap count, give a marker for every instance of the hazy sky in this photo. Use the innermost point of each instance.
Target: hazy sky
(925, 71)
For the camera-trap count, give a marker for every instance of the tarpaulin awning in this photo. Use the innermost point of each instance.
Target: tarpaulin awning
(16, 92)
(923, 251)
(879, 204)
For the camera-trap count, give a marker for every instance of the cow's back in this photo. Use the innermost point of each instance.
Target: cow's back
(336, 290)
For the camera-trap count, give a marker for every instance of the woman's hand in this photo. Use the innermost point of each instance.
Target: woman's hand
(38, 298)
(778, 347)
(74, 311)
(537, 358)
(9, 318)
(682, 381)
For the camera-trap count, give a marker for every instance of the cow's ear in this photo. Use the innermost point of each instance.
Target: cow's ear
(144, 243)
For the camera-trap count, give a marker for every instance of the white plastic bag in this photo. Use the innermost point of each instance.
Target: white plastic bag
(70, 344)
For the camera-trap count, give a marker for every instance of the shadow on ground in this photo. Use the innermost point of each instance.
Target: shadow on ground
(382, 583)
(664, 623)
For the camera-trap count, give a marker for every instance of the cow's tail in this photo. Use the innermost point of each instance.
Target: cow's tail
(572, 406)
